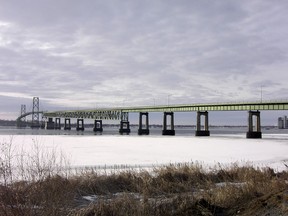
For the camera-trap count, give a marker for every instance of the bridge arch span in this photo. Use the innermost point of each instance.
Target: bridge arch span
(19, 123)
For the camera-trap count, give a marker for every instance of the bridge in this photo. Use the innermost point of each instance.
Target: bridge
(35, 123)
(21, 123)
(122, 114)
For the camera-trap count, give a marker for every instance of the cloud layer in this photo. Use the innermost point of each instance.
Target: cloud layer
(93, 53)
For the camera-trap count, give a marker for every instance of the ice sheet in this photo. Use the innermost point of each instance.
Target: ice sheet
(151, 150)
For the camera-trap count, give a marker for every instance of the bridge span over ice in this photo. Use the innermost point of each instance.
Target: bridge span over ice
(122, 113)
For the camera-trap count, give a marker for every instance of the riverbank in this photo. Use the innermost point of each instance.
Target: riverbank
(176, 189)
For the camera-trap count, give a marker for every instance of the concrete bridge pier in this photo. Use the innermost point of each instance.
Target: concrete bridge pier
(141, 130)
(80, 125)
(251, 133)
(98, 126)
(165, 130)
(50, 124)
(67, 124)
(199, 131)
(57, 124)
(124, 127)
(124, 123)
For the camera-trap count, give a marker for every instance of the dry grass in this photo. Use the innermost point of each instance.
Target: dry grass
(175, 189)
(187, 189)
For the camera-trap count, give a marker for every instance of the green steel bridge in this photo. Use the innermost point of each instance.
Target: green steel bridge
(120, 113)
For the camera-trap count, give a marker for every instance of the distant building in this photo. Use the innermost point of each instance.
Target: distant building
(283, 122)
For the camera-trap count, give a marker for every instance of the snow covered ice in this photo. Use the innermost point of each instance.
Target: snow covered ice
(85, 151)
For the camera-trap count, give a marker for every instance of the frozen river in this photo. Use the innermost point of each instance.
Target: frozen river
(87, 149)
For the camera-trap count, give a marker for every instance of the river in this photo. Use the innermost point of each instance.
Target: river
(226, 145)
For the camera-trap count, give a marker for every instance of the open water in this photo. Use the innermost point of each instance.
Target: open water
(154, 131)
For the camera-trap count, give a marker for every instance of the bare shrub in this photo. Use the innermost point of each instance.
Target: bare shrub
(6, 161)
(31, 182)
(41, 162)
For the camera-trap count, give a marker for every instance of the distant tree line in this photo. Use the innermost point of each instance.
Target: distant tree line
(7, 122)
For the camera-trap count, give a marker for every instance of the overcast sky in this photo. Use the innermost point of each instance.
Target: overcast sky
(99, 53)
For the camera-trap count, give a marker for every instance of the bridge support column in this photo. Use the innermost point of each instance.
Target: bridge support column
(80, 125)
(50, 124)
(98, 126)
(251, 133)
(124, 127)
(57, 123)
(199, 131)
(142, 130)
(21, 122)
(35, 113)
(165, 130)
(67, 124)
(124, 123)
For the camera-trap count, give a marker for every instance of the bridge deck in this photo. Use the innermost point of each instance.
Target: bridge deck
(121, 112)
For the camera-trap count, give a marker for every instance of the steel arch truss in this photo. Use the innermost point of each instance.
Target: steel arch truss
(100, 114)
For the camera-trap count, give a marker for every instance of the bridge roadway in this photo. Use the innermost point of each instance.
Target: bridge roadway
(121, 113)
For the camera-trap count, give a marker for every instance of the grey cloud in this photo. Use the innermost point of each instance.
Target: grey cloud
(106, 52)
